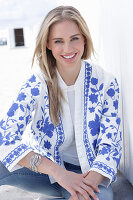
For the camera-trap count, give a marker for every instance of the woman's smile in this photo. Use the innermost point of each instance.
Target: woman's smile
(70, 57)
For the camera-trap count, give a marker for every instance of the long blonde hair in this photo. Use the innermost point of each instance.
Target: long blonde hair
(46, 60)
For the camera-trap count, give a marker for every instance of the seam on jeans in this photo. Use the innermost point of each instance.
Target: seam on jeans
(24, 174)
(29, 174)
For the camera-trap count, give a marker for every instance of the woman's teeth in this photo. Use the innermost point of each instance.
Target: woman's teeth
(68, 57)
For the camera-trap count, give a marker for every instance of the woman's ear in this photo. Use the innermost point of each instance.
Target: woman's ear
(85, 40)
(48, 46)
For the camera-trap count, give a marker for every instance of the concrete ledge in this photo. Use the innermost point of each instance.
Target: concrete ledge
(123, 189)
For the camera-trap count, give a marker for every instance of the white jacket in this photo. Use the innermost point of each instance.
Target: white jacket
(97, 123)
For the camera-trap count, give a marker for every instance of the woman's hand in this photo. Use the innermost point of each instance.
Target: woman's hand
(72, 182)
(75, 184)
(92, 180)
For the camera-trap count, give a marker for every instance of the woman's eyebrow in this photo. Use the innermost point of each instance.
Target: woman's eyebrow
(75, 35)
(57, 38)
(70, 37)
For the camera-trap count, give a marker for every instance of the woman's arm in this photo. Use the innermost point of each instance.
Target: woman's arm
(46, 166)
(108, 145)
(74, 183)
(15, 121)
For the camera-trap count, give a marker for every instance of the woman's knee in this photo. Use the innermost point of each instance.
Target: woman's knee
(106, 193)
(3, 170)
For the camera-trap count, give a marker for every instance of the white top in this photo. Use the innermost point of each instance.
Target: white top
(68, 150)
(70, 154)
(71, 100)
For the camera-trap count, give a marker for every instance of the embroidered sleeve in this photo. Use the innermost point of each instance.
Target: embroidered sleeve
(109, 140)
(13, 125)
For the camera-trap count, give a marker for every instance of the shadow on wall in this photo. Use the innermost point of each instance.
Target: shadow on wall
(116, 30)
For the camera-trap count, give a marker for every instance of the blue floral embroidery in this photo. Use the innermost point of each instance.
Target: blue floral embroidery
(118, 121)
(109, 135)
(94, 81)
(92, 109)
(107, 120)
(105, 150)
(93, 98)
(15, 154)
(111, 92)
(94, 143)
(32, 79)
(21, 97)
(115, 104)
(1, 139)
(105, 168)
(96, 94)
(89, 153)
(44, 126)
(59, 141)
(94, 125)
(47, 144)
(35, 91)
(116, 159)
(12, 110)
(103, 128)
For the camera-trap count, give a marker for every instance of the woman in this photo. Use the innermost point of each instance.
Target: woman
(73, 149)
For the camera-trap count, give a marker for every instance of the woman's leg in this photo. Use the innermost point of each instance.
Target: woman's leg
(29, 180)
(40, 183)
(105, 193)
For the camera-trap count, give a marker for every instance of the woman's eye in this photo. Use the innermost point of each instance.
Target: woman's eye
(75, 38)
(58, 41)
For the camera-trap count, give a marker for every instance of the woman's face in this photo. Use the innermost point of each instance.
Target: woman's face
(66, 43)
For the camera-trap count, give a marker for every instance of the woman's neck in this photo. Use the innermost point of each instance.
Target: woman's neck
(69, 76)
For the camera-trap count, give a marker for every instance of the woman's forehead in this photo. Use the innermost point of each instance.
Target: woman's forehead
(67, 27)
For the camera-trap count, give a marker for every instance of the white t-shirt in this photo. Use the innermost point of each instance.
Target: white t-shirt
(70, 154)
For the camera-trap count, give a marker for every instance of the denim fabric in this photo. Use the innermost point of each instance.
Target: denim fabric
(35, 182)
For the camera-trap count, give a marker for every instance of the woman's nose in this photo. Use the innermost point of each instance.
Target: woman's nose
(67, 47)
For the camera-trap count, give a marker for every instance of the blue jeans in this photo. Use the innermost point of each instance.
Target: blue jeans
(35, 182)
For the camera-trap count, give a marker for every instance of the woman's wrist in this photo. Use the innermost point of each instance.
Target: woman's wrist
(58, 172)
(51, 168)
(95, 177)
(42, 164)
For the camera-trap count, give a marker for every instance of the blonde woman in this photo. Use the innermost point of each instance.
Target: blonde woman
(73, 147)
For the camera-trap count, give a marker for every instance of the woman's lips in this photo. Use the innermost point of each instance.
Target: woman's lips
(69, 57)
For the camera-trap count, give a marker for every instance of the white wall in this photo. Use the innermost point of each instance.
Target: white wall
(116, 36)
(4, 33)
